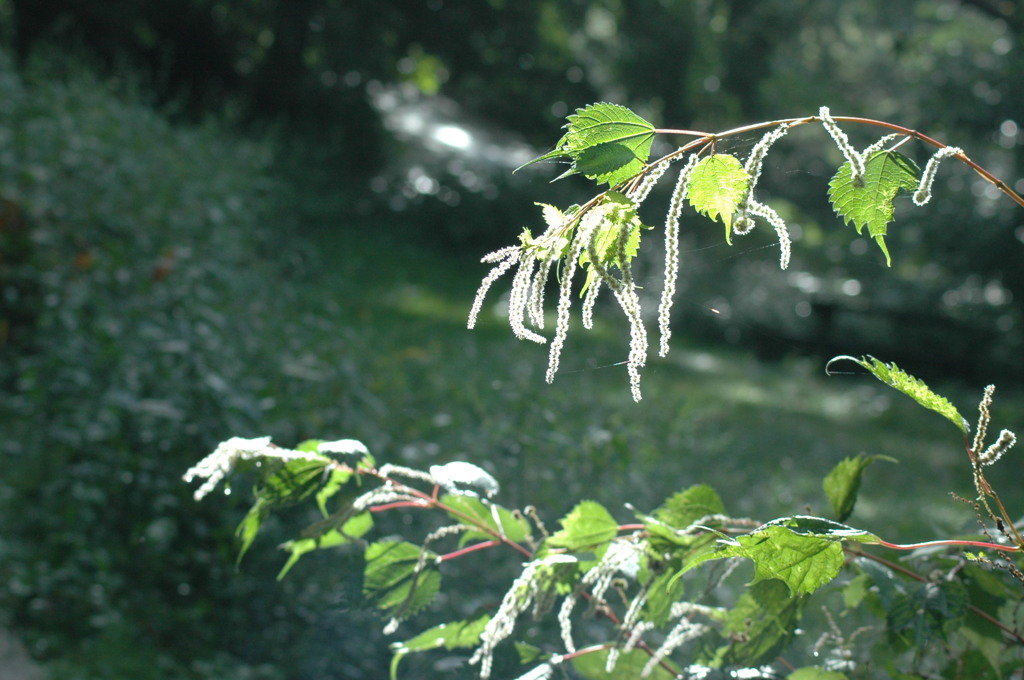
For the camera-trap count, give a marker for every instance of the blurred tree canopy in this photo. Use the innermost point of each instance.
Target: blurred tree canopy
(114, 197)
(338, 75)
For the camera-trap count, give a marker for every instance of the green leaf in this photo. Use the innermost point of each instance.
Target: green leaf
(604, 142)
(717, 186)
(869, 202)
(352, 529)
(293, 481)
(391, 581)
(804, 562)
(588, 525)
(843, 482)
(628, 667)
(805, 553)
(619, 219)
(759, 626)
(473, 512)
(336, 481)
(454, 635)
(665, 590)
(250, 526)
(689, 505)
(528, 653)
(899, 380)
(856, 590)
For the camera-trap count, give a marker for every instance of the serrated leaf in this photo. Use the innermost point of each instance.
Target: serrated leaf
(842, 484)
(474, 512)
(588, 525)
(454, 635)
(916, 389)
(604, 142)
(391, 581)
(868, 203)
(759, 626)
(717, 186)
(618, 217)
(805, 553)
(804, 562)
(329, 538)
(689, 505)
(628, 667)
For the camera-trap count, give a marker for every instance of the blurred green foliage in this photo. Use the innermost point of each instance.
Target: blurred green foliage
(155, 304)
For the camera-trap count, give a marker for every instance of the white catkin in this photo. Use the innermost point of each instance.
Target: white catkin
(632, 615)
(785, 245)
(588, 223)
(389, 470)
(843, 142)
(535, 305)
(381, 495)
(981, 431)
(683, 632)
(565, 622)
(351, 447)
(877, 146)
(924, 189)
(996, 451)
(629, 301)
(641, 191)
(510, 257)
(589, 300)
(668, 292)
(541, 672)
(756, 158)
(519, 298)
(216, 466)
(517, 600)
(613, 658)
(499, 254)
(636, 635)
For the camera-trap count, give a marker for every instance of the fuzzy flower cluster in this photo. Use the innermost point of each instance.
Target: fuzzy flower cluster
(751, 208)
(533, 584)
(572, 238)
(463, 478)
(675, 209)
(219, 464)
(567, 239)
(621, 557)
(855, 159)
(993, 453)
(924, 189)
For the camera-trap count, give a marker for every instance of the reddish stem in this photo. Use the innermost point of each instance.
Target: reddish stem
(397, 504)
(793, 122)
(466, 551)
